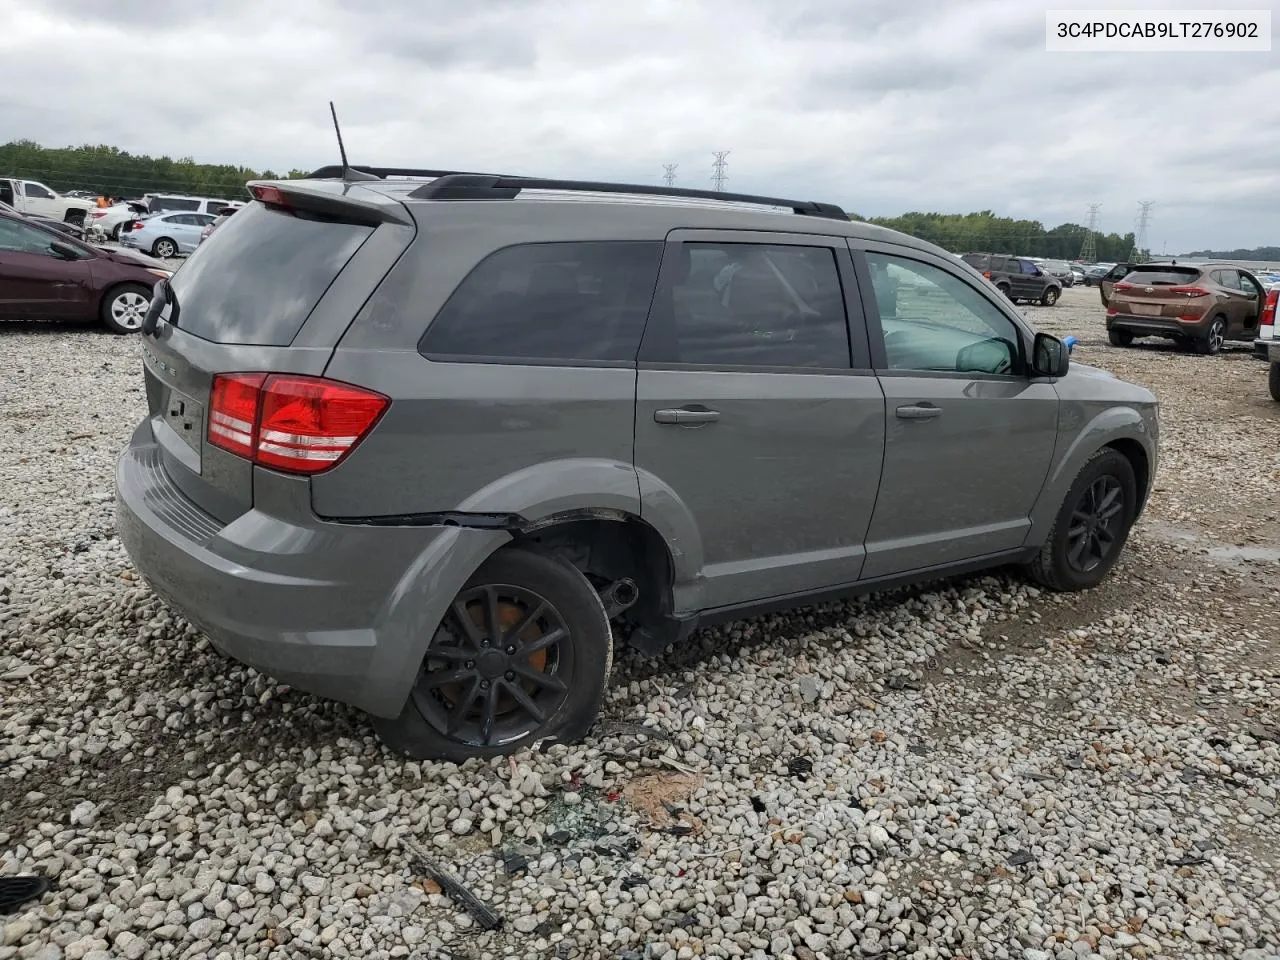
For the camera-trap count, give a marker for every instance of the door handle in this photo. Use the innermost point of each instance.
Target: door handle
(686, 416)
(923, 411)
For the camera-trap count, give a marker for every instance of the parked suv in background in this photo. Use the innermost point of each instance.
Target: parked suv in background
(1199, 306)
(433, 448)
(1060, 270)
(1018, 278)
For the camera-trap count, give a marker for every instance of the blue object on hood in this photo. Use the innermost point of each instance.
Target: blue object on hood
(1070, 342)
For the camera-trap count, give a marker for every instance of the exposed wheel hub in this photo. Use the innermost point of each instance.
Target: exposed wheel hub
(492, 664)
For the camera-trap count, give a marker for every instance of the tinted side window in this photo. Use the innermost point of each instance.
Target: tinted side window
(550, 301)
(1028, 267)
(749, 304)
(1248, 286)
(1231, 280)
(35, 190)
(937, 322)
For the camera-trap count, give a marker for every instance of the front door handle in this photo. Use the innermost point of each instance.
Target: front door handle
(923, 411)
(686, 415)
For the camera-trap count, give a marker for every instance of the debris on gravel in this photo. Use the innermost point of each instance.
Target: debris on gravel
(973, 767)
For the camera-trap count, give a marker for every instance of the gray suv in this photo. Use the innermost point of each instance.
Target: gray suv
(433, 447)
(1017, 277)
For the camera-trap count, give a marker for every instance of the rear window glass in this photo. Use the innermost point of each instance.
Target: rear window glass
(550, 301)
(1163, 276)
(256, 280)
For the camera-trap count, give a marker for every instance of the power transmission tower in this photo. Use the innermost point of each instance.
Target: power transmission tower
(719, 176)
(1089, 249)
(1144, 221)
(669, 173)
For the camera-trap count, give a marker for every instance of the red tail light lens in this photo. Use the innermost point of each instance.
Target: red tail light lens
(289, 422)
(308, 424)
(1191, 317)
(272, 195)
(1268, 318)
(1121, 286)
(233, 412)
(1112, 311)
(1188, 291)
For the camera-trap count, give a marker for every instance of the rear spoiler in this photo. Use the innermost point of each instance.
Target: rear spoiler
(343, 201)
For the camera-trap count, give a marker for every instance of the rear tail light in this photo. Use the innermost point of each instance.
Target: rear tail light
(1121, 286)
(1191, 317)
(1268, 318)
(1188, 291)
(289, 422)
(97, 214)
(268, 194)
(1112, 311)
(987, 274)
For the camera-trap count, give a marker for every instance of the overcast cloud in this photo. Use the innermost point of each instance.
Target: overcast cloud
(882, 107)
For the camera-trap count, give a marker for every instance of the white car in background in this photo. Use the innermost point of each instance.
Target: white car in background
(105, 224)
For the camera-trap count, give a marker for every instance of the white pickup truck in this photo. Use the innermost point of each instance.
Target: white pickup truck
(34, 198)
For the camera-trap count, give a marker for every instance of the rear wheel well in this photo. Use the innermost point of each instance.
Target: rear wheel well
(612, 548)
(1137, 457)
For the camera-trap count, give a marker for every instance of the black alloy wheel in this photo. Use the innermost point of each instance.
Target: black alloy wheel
(499, 667)
(1093, 533)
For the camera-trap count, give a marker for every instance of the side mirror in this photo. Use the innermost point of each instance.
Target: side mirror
(1050, 357)
(64, 250)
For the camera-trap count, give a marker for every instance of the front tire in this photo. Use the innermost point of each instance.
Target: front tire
(1120, 338)
(1004, 289)
(1273, 381)
(523, 655)
(164, 248)
(124, 308)
(1091, 527)
(1050, 297)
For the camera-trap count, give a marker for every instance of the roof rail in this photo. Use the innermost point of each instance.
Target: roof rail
(472, 186)
(336, 171)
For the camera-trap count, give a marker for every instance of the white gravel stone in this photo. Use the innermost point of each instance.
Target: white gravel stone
(990, 767)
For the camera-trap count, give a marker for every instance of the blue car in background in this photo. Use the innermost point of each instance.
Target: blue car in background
(166, 235)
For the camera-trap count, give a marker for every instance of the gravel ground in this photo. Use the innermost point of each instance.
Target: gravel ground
(971, 769)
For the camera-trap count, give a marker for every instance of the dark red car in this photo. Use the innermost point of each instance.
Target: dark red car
(46, 275)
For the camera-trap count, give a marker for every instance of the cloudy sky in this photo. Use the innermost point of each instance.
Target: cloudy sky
(882, 106)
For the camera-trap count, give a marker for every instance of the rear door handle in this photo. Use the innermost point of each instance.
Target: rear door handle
(924, 411)
(686, 415)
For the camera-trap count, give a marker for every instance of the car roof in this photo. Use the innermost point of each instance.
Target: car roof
(674, 211)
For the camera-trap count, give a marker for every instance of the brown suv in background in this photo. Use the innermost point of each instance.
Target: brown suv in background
(1197, 305)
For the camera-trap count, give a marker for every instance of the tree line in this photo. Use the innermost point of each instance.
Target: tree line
(1266, 254)
(985, 232)
(108, 169)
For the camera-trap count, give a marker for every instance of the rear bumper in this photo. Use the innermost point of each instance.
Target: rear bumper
(342, 611)
(1261, 347)
(1154, 326)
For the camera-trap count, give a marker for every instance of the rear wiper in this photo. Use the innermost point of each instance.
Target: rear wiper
(162, 295)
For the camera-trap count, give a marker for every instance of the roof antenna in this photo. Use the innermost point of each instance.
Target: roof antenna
(349, 173)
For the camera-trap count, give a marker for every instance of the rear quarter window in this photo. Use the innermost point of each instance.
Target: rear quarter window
(574, 301)
(257, 279)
